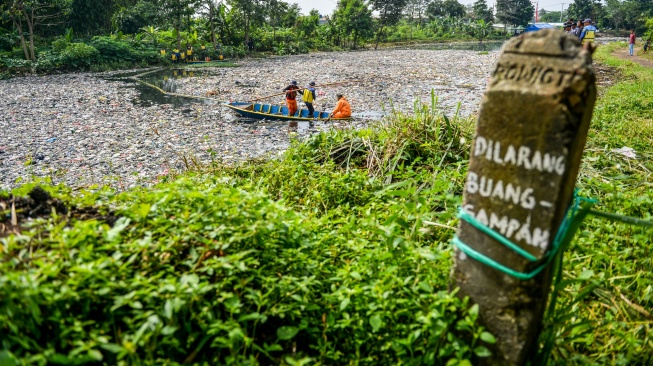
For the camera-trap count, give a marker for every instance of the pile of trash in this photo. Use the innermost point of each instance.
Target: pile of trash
(82, 129)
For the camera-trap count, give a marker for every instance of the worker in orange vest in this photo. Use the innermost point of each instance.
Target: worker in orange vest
(291, 97)
(343, 109)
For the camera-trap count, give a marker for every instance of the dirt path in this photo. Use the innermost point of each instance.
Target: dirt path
(638, 59)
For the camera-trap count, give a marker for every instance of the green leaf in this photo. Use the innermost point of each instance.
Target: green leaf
(273, 348)
(488, 338)
(473, 311)
(168, 329)
(356, 275)
(251, 316)
(426, 287)
(482, 351)
(344, 303)
(6, 358)
(287, 332)
(376, 322)
(167, 309)
(118, 227)
(112, 347)
(144, 209)
(95, 355)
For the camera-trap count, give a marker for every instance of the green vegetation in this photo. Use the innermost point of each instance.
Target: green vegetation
(337, 253)
(32, 31)
(308, 258)
(604, 309)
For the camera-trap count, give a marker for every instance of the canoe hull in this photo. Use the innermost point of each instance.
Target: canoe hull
(268, 111)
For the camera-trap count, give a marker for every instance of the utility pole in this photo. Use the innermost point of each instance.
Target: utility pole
(537, 12)
(562, 9)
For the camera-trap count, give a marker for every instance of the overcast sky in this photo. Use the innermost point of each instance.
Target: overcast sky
(326, 7)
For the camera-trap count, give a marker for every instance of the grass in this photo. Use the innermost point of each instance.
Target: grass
(603, 314)
(336, 253)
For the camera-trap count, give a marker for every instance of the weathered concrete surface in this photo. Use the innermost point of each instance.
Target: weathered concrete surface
(530, 135)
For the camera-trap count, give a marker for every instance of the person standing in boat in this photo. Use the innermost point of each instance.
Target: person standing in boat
(308, 97)
(343, 109)
(291, 97)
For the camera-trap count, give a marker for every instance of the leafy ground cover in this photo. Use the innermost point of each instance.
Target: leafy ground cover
(604, 314)
(336, 253)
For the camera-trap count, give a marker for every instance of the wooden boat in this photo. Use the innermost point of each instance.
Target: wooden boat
(268, 111)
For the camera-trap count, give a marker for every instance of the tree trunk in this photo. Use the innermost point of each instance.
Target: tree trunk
(19, 28)
(177, 28)
(212, 25)
(246, 28)
(378, 37)
(30, 28)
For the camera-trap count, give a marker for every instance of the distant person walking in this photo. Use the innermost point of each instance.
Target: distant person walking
(291, 97)
(631, 43)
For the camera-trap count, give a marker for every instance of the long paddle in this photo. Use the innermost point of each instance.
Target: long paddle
(266, 97)
(321, 86)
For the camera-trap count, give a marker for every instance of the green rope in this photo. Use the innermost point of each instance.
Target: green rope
(576, 213)
(571, 221)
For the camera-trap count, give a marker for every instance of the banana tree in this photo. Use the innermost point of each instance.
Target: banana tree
(216, 12)
(482, 29)
(153, 33)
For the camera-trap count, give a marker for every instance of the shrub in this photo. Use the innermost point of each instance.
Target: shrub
(78, 55)
(16, 65)
(111, 50)
(200, 271)
(60, 44)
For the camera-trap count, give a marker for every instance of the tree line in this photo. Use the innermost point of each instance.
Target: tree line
(27, 26)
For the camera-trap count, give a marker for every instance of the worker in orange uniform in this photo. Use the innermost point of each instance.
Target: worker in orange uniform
(343, 109)
(291, 98)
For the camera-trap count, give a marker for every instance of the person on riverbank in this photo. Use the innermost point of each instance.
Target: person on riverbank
(343, 109)
(308, 97)
(575, 31)
(189, 52)
(291, 97)
(631, 43)
(588, 32)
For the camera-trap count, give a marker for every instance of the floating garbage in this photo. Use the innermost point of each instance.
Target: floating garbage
(104, 135)
(627, 152)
